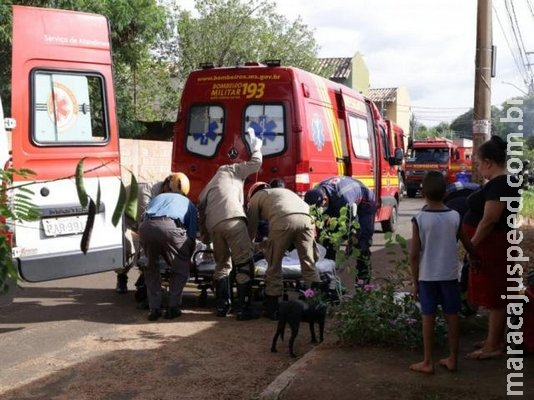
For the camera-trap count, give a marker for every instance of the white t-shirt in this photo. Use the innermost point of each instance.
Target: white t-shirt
(438, 231)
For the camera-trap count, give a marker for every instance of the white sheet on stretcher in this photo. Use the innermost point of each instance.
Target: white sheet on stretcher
(290, 266)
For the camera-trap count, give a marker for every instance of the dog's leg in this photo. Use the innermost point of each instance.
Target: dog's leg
(312, 331)
(279, 333)
(275, 338)
(321, 326)
(294, 332)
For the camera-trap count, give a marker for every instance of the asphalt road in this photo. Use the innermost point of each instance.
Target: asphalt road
(44, 328)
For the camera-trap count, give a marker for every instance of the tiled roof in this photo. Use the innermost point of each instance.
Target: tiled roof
(338, 68)
(388, 95)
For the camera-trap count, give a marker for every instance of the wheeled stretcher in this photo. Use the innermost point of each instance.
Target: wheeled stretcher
(203, 267)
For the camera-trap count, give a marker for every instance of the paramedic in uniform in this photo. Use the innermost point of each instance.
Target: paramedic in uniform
(289, 223)
(169, 230)
(222, 220)
(336, 192)
(147, 191)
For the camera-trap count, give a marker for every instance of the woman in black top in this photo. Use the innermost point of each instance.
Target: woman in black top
(486, 224)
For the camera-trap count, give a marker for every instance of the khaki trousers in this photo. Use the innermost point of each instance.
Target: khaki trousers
(296, 229)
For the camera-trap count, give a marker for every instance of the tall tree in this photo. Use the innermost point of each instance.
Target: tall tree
(523, 118)
(230, 32)
(136, 25)
(463, 124)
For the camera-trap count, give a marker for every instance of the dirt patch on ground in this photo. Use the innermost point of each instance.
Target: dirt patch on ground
(199, 356)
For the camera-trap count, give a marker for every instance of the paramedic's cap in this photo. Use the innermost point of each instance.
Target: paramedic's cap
(314, 197)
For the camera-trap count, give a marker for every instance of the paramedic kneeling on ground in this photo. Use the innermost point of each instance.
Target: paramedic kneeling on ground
(223, 221)
(336, 192)
(169, 229)
(289, 223)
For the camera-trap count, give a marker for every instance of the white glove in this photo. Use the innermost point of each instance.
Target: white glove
(255, 142)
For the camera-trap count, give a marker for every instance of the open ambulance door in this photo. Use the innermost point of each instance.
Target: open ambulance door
(64, 106)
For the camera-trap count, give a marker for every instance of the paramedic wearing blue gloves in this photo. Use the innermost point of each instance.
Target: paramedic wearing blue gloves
(338, 191)
(169, 229)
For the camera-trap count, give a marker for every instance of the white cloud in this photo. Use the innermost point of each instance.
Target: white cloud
(427, 46)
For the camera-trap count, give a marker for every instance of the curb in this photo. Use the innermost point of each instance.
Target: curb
(286, 378)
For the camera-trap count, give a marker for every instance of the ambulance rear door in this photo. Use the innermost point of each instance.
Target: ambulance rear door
(64, 106)
(362, 142)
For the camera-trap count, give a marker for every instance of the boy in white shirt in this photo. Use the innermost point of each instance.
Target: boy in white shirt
(434, 268)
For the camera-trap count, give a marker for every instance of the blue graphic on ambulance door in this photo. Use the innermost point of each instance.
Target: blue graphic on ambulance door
(268, 124)
(317, 132)
(204, 131)
(205, 137)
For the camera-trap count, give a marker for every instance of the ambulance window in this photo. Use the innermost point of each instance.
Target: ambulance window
(68, 108)
(385, 144)
(359, 133)
(268, 123)
(205, 129)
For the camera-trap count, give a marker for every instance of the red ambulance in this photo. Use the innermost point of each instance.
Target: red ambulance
(63, 110)
(312, 129)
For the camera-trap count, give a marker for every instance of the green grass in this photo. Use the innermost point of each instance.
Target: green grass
(528, 205)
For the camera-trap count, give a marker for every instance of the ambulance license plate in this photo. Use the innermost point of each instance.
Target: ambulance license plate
(64, 226)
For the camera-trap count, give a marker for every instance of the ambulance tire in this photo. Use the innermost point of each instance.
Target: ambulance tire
(391, 224)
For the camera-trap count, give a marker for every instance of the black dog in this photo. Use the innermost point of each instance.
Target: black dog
(294, 311)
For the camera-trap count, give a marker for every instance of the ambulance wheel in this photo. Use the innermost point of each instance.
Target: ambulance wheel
(411, 193)
(391, 224)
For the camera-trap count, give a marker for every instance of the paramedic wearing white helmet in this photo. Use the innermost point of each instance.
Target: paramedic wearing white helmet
(168, 229)
(222, 220)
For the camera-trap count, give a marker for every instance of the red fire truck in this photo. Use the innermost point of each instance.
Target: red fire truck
(62, 110)
(312, 129)
(451, 157)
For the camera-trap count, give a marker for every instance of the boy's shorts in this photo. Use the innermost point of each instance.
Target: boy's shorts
(446, 293)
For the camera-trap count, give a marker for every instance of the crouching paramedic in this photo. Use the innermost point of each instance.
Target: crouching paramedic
(169, 229)
(223, 221)
(147, 191)
(289, 223)
(339, 191)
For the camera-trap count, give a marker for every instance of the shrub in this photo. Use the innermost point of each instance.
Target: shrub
(384, 313)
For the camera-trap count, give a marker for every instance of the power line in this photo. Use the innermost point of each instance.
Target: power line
(530, 7)
(432, 108)
(516, 61)
(519, 41)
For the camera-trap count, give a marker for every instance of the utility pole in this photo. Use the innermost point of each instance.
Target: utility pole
(482, 108)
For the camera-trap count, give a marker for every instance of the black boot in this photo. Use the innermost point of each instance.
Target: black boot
(122, 283)
(245, 311)
(222, 296)
(271, 307)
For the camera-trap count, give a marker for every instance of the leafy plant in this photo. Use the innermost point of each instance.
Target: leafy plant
(383, 313)
(126, 203)
(17, 207)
